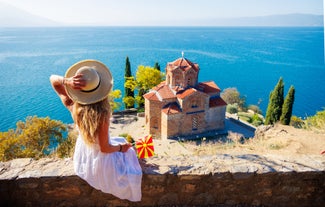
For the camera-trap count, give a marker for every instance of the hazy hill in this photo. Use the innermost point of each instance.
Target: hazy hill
(11, 16)
(273, 20)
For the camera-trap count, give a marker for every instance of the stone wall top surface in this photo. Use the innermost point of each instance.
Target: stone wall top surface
(178, 165)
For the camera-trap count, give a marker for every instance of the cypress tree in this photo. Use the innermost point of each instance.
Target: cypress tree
(157, 66)
(128, 91)
(274, 108)
(287, 107)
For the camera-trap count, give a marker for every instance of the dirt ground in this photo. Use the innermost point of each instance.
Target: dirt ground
(279, 140)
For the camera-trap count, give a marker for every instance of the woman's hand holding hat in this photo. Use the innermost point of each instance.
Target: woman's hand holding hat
(75, 82)
(93, 86)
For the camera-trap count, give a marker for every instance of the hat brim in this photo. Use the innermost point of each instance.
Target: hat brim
(106, 83)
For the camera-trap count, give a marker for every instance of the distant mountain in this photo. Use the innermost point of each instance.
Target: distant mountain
(11, 16)
(271, 20)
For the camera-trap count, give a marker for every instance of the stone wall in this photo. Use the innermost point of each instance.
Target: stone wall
(52, 182)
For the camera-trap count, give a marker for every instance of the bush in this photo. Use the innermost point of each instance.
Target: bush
(297, 122)
(256, 120)
(140, 110)
(36, 137)
(66, 148)
(255, 108)
(316, 121)
(232, 108)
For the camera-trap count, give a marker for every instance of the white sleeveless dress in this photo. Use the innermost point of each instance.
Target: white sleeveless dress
(115, 173)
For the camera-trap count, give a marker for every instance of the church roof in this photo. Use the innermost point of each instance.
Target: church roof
(160, 92)
(216, 101)
(152, 96)
(186, 93)
(171, 108)
(164, 91)
(208, 87)
(183, 64)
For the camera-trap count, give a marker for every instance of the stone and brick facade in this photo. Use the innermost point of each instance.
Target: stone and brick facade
(182, 106)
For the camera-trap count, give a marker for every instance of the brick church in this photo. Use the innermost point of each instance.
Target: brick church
(181, 106)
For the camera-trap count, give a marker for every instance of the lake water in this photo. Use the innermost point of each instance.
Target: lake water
(252, 59)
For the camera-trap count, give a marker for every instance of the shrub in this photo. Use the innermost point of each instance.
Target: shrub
(36, 137)
(256, 120)
(232, 108)
(316, 121)
(255, 108)
(66, 148)
(297, 122)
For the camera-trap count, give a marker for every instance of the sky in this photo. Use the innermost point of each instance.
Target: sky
(148, 12)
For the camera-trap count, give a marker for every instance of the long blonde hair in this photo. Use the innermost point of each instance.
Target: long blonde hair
(89, 118)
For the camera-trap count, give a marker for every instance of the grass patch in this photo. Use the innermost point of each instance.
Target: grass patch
(275, 146)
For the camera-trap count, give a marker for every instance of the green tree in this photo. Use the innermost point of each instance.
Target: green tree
(129, 94)
(274, 108)
(287, 107)
(146, 78)
(232, 96)
(156, 66)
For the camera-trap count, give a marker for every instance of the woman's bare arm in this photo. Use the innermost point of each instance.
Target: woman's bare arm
(58, 83)
(104, 143)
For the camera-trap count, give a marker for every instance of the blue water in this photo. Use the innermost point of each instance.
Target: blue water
(250, 59)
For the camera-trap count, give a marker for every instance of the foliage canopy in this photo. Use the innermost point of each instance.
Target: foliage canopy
(116, 94)
(146, 78)
(232, 96)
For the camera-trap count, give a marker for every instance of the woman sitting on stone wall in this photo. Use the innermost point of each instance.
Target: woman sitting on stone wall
(106, 163)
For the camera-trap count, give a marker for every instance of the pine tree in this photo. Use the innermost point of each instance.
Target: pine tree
(128, 91)
(287, 107)
(157, 66)
(274, 108)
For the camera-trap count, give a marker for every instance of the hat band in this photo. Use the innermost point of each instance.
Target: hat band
(92, 90)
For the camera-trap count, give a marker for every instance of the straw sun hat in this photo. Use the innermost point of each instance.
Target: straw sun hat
(98, 78)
